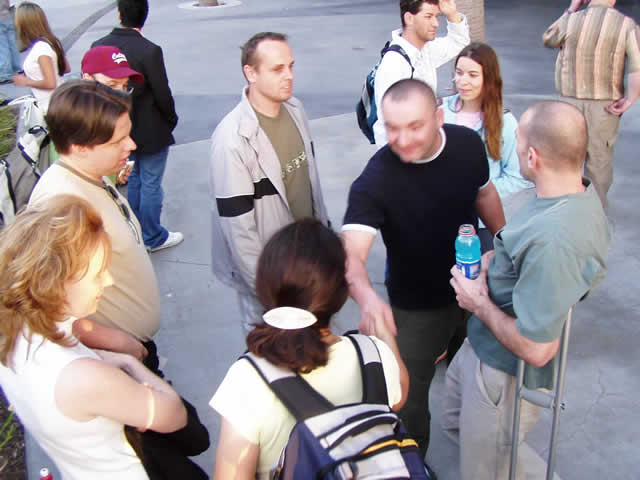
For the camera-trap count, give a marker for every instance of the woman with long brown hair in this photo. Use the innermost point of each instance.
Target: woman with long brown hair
(478, 105)
(73, 400)
(302, 266)
(45, 62)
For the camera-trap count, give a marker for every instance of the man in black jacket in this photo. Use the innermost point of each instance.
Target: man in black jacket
(154, 118)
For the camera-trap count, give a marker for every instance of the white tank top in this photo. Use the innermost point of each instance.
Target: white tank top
(33, 71)
(96, 449)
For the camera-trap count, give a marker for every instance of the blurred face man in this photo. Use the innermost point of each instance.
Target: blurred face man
(413, 126)
(271, 76)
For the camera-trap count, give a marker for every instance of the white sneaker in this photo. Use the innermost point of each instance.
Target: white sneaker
(172, 240)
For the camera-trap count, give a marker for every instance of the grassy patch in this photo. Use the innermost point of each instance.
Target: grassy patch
(7, 131)
(11, 444)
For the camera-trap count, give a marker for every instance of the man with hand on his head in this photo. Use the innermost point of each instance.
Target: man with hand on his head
(418, 40)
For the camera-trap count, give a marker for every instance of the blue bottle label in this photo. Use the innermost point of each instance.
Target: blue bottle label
(470, 269)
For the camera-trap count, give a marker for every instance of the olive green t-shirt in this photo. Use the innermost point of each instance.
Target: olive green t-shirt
(294, 167)
(547, 257)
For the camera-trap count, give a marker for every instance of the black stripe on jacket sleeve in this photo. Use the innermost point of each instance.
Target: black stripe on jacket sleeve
(241, 204)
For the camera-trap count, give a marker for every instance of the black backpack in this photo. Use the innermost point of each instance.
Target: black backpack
(366, 109)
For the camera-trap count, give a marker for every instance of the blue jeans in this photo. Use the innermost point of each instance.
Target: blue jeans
(9, 56)
(145, 194)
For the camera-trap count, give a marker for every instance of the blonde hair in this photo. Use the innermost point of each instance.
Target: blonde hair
(32, 25)
(44, 248)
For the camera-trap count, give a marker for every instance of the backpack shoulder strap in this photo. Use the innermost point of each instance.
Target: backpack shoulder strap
(4, 168)
(292, 390)
(374, 385)
(400, 50)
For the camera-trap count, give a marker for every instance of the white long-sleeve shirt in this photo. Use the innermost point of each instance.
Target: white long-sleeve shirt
(394, 67)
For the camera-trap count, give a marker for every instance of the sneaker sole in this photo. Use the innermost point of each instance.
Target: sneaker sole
(163, 247)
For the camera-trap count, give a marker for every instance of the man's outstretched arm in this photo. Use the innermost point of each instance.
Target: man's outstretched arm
(373, 309)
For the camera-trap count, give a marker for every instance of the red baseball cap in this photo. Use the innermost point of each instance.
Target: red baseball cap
(109, 61)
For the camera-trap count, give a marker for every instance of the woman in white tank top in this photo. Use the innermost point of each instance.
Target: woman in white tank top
(73, 400)
(45, 62)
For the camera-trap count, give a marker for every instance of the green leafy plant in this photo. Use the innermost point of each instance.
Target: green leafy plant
(7, 131)
(9, 426)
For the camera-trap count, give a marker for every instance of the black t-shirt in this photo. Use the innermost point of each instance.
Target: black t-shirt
(418, 208)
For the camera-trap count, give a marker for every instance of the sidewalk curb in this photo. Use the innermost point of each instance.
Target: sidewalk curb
(76, 33)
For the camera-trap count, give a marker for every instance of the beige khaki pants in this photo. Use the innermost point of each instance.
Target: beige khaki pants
(477, 414)
(603, 133)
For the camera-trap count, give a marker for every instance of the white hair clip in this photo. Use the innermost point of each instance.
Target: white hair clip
(289, 318)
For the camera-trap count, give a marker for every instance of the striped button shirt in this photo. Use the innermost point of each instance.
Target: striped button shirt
(594, 43)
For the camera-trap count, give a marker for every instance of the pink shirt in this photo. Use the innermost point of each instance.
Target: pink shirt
(469, 119)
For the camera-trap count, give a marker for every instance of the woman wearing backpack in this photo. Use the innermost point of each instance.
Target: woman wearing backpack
(302, 266)
(45, 62)
(478, 105)
(73, 400)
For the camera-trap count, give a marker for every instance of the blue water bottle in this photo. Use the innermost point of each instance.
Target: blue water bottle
(468, 256)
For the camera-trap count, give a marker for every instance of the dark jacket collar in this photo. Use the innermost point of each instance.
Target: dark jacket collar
(126, 31)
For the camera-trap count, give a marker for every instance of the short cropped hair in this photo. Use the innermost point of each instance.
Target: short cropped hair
(84, 113)
(403, 89)
(63, 234)
(303, 266)
(133, 13)
(558, 131)
(248, 56)
(413, 7)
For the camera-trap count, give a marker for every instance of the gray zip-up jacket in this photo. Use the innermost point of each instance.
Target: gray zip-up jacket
(248, 197)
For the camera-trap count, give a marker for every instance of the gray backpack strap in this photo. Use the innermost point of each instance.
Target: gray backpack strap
(374, 385)
(292, 390)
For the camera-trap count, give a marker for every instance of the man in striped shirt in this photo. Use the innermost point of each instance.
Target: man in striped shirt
(594, 44)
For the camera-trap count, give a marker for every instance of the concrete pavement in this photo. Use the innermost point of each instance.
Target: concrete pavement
(335, 43)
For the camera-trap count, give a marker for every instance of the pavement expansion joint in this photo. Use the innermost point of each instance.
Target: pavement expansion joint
(183, 262)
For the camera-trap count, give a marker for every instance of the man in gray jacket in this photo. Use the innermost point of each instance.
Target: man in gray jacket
(263, 174)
